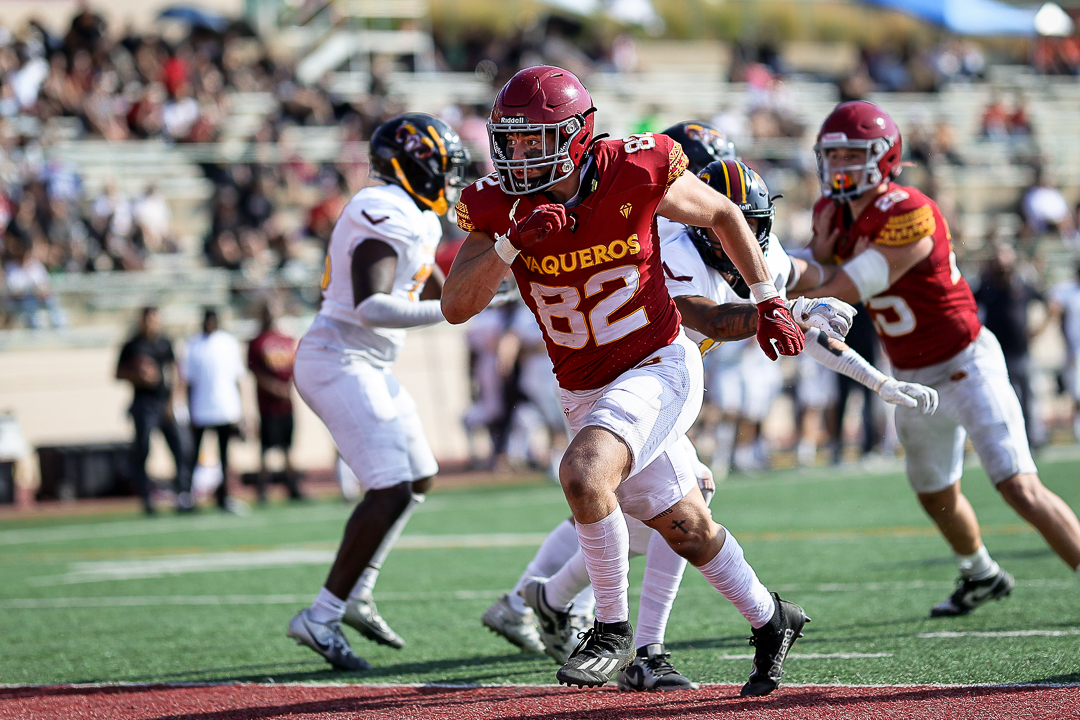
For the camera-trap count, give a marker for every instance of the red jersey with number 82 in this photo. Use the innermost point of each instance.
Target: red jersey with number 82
(929, 314)
(597, 286)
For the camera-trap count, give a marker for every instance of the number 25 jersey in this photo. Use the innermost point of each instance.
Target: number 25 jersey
(597, 286)
(929, 314)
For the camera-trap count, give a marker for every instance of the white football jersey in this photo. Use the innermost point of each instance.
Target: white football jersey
(385, 213)
(685, 273)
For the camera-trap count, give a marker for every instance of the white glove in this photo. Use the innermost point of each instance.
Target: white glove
(910, 395)
(829, 315)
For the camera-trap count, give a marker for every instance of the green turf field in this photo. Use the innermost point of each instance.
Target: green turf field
(207, 598)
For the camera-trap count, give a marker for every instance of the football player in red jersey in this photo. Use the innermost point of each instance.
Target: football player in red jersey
(888, 246)
(573, 217)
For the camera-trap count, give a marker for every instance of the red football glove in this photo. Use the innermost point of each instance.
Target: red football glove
(777, 333)
(533, 230)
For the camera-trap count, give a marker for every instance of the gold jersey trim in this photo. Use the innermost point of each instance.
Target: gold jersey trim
(908, 228)
(677, 163)
(463, 220)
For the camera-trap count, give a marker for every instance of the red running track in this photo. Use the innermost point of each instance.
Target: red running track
(360, 702)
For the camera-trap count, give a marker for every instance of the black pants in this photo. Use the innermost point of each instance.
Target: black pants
(150, 413)
(224, 433)
(869, 425)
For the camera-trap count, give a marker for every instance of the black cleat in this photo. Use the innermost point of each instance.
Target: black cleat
(970, 594)
(772, 642)
(651, 671)
(604, 650)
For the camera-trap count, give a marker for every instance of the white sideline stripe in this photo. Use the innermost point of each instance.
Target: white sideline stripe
(1000, 633)
(152, 600)
(99, 570)
(811, 656)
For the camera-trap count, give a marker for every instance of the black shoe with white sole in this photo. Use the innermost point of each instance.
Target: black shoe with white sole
(772, 642)
(604, 650)
(970, 594)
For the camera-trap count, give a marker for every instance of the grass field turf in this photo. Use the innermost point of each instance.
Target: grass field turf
(855, 550)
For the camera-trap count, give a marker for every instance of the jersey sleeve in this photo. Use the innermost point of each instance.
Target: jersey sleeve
(907, 222)
(469, 209)
(684, 273)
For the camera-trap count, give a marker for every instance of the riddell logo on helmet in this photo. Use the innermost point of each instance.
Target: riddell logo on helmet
(834, 137)
(515, 120)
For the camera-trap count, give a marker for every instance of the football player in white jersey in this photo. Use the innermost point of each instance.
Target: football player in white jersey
(380, 278)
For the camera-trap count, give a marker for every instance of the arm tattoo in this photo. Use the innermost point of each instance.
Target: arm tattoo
(678, 525)
(733, 321)
(666, 512)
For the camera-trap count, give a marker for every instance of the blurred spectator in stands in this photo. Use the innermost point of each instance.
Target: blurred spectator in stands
(112, 225)
(995, 118)
(213, 371)
(27, 291)
(1064, 307)
(1004, 297)
(270, 358)
(333, 192)
(1044, 207)
(153, 218)
(1019, 120)
(147, 362)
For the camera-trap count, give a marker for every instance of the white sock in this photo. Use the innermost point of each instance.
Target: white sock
(365, 585)
(327, 607)
(584, 603)
(663, 575)
(977, 566)
(729, 573)
(558, 547)
(604, 545)
(565, 585)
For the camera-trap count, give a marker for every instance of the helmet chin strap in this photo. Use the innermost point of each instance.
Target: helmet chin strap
(439, 205)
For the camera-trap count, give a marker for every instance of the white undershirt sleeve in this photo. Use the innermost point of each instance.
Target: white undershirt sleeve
(848, 362)
(386, 311)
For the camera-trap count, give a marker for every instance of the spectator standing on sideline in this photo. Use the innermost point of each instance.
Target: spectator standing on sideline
(148, 363)
(1064, 307)
(213, 371)
(270, 358)
(1003, 297)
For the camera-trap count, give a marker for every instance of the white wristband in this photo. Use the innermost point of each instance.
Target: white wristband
(763, 291)
(505, 250)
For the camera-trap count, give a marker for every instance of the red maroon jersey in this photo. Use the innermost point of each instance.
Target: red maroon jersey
(929, 314)
(596, 287)
(272, 353)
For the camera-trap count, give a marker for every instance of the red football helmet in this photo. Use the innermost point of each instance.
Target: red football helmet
(865, 126)
(549, 102)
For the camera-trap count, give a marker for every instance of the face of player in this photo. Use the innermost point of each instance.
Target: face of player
(523, 146)
(151, 324)
(844, 166)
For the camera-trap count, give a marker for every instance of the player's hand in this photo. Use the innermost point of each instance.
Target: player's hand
(543, 221)
(829, 315)
(909, 395)
(824, 240)
(777, 333)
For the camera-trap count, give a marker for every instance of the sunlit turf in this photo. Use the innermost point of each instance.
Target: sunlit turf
(77, 604)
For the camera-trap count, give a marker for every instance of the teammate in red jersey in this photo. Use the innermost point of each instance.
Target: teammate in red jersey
(888, 246)
(574, 217)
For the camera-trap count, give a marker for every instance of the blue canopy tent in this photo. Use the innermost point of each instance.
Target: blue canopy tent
(984, 17)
